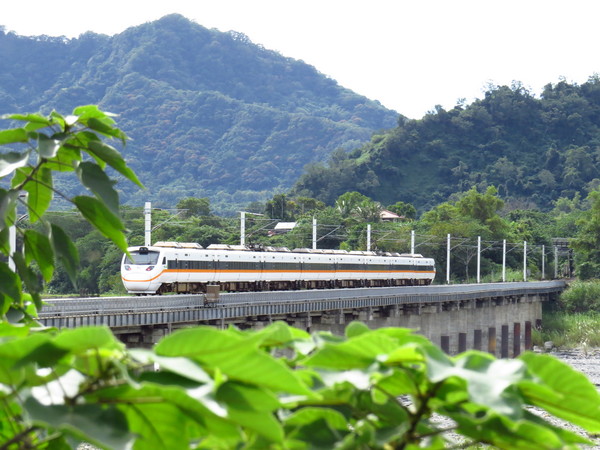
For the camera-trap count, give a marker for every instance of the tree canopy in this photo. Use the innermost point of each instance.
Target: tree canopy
(210, 114)
(533, 150)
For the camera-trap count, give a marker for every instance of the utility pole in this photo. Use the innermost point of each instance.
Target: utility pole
(148, 224)
(478, 259)
(314, 234)
(448, 260)
(12, 234)
(503, 260)
(543, 262)
(524, 260)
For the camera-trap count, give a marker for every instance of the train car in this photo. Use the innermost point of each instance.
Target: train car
(189, 268)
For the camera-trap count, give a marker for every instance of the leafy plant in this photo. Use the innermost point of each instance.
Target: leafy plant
(227, 389)
(41, 147)
(581, 296)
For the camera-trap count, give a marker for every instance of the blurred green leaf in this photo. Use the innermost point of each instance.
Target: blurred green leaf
(235, 356)
(157, 422)
(39, 249)
(487, 379)
(105, 127)
(39, 186)
(103, 219)
(181, 366)
(47, 146)
(29, 278)
(34, 118)
(13, 136)
(78, 340)
(102, 425)
(87, 112)
(566, 393)
(96, 180)
(13, 349)
(65, 251)
(197, 406)
(310, 414)
(45, 355)
(114, 159)
(65, 159)
(355, 328)
(11, 161)
(280, 333)
(10, 284)
(252, 407)
(359, 351)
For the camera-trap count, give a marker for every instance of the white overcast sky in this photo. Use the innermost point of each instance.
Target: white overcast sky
(409, 55)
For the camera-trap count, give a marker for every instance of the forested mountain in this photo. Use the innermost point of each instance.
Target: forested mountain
(534, 150)
(210, 114)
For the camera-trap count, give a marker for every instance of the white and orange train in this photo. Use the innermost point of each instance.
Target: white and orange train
(189, 268)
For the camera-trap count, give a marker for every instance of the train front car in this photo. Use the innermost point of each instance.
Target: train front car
(141, 270)
(423, 269)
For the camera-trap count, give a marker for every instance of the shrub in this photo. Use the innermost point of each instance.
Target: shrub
(581, 296)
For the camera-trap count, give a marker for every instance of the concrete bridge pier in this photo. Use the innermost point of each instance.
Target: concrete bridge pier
(501, 326)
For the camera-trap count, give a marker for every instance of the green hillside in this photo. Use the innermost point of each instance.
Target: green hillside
(534, 150)
(210, 114)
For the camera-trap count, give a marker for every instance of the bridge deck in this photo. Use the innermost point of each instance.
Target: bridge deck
(153, 310)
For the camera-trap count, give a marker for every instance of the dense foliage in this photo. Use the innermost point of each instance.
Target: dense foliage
(466, 217)
(209, 113)
(533, 150)
(222, 389)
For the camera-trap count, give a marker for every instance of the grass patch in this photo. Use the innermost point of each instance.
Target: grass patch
(569, 330)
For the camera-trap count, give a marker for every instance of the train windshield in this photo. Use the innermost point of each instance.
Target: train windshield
(144, 258)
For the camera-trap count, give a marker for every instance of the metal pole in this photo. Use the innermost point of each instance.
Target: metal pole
(12, 243)
(148, 224)
(543, 262)
(524, 260)
(448, 261)
(369, 237)
(555, 262)
(12, 234)
(412, 242)
(504, 260)
(478, 259)
(314, 237)
(242, 228)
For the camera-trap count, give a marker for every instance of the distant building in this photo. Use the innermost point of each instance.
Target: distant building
(282, 228)
(388, 216)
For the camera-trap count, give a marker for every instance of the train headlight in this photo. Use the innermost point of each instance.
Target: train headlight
(127, 267)
(149, 268)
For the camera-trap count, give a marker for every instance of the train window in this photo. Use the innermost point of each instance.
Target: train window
(148, 258)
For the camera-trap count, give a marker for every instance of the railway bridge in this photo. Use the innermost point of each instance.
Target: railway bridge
(495, 317)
